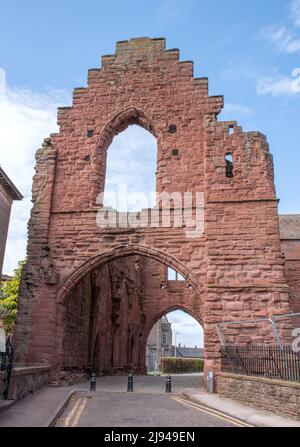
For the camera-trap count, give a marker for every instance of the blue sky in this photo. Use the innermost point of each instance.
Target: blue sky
(248, 50)
(248, 53)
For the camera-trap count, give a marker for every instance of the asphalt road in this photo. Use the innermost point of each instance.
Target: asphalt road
(113, 409)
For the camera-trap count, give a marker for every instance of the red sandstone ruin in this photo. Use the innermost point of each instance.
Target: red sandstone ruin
(90, 296)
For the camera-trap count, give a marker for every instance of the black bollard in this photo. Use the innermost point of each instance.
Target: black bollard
(168, 384)
(130, 383)
(93, 382)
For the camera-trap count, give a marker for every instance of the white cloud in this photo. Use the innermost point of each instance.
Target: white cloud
(295, 12)
(284, 40)
(190, 331)
(26, 118)
(276, 86)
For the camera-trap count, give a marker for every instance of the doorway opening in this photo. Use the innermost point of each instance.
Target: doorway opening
(175, 338)
(109, 313)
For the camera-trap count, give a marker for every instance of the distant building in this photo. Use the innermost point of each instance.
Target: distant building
(5, 278)
(188, 353)
(159, 343)
(8, 193)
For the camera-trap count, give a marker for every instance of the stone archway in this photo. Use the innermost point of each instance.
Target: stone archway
(116, 124)
(152, 302)
(121, 251)
(170, 309)
(198, 317)
(236, 264)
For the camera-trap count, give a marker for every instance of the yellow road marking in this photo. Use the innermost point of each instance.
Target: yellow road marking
(212, 412)
(79, 411)
(72, 413)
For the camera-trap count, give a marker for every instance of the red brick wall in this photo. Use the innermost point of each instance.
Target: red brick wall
(236, 268)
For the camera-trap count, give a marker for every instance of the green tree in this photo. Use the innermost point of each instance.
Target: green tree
(9, 298)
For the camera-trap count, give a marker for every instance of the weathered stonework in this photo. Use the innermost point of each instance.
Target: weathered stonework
(234, 271)
(27, 380)
(282, 398)
(110, 313)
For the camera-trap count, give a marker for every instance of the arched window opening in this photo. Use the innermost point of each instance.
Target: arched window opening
(229, 165)
(173, 275)
(130, 183)
(175, 335)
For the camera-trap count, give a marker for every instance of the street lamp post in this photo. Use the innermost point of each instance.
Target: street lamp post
(176, 333)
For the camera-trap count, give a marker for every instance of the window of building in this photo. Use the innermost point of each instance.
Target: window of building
(174, 276)
(130, 183)
(229, 165)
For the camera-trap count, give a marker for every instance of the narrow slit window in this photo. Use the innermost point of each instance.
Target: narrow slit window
(229, 165)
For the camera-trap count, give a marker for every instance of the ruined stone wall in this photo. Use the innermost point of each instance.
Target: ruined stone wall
(245, 265)
(77, 321)
(110, 313)
(103, 319)
(163, 296)
(236, 267)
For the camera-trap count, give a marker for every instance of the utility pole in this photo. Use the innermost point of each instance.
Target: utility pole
(176, 333)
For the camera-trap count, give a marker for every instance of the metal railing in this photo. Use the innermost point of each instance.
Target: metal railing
(3, 361)
(6, 363)
(273, 362)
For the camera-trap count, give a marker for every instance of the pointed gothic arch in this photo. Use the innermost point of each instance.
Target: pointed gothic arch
(120, 121)
(102, 258)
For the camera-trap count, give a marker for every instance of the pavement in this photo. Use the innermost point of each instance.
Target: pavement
(252, 416)
(35, 410)
(148, 405)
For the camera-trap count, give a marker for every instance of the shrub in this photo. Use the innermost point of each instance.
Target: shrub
(9, 298)
(178, 365)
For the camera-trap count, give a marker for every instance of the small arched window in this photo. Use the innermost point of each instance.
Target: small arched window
(229, 165)
(174, 276)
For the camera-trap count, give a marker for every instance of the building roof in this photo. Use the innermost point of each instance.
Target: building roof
(190, 353)
(6, 278)
(9, 186)
(289, 226)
